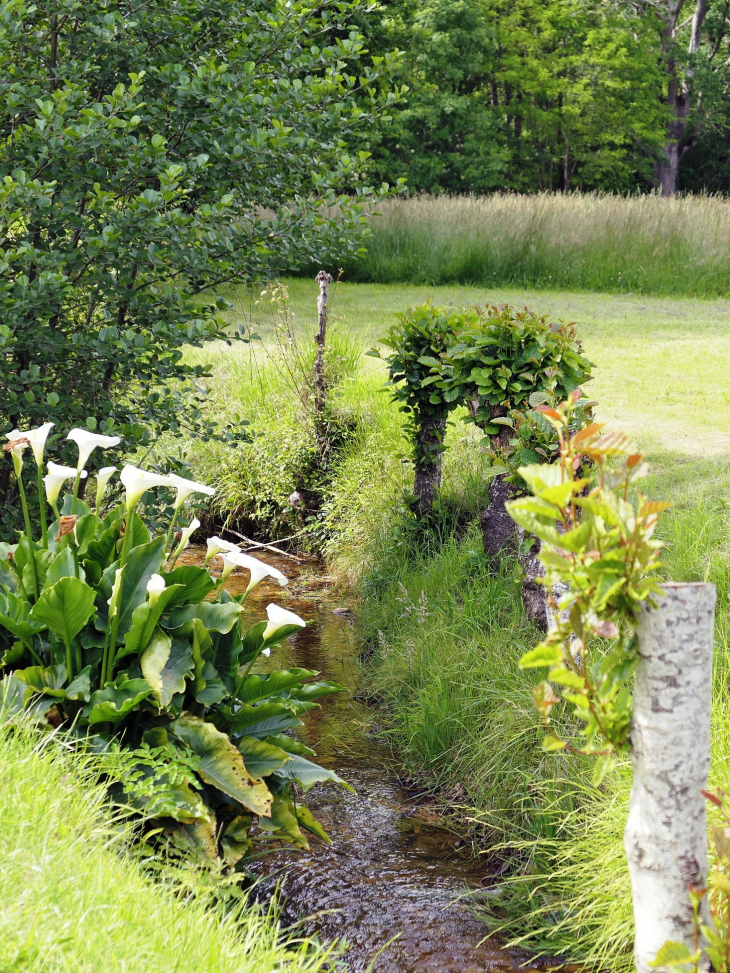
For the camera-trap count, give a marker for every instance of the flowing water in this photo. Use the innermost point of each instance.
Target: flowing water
(394, 881)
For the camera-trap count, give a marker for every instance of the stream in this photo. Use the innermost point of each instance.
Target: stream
(393, 882)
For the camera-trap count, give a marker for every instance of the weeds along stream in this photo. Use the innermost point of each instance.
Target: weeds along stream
(395, 883)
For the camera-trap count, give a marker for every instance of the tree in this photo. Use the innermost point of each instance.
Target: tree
(153, 153)
(523, 95)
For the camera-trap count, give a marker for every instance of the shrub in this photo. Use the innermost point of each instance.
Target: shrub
(101, 633)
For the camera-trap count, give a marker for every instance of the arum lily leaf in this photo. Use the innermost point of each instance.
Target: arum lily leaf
(261, 758)
(62, 566)
(202, 646)
(307, 774)
(235, 842)
(262, 720)
(154, 659)
(65, 608)
(222, 765)
(114, 702)
(203, 836)
(256, 687)
(144, 620)
(15, 617)
(179, 665)
(80, 686)
(316, 690)
(290, 745)
(196, 583)
(307, 820)
(142, 563)
(283, 818)
(103, 550)
(215, 617)
(40, 680)
(214, 689)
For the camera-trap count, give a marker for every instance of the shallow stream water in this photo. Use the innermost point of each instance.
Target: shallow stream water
(394, 882)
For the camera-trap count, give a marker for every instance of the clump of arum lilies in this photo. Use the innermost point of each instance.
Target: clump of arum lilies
(104, 635)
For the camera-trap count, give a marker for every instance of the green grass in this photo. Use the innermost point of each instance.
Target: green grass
(445, 635)
(644, 245)
(73, 901)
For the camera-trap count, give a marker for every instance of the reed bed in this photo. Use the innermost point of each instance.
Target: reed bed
(596, 242)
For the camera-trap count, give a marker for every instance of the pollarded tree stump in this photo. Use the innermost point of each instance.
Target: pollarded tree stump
(502, 537)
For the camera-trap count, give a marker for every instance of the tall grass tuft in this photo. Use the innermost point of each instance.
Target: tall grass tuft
(597, 242)
(74, 900)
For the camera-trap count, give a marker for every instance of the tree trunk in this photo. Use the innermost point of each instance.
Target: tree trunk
(429, 440)
(678, 95)
(320, 385)
(666, 832)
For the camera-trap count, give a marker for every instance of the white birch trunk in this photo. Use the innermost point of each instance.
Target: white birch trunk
(666, 832)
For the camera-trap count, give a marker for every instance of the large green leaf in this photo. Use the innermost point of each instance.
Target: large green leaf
(283, 818)
(40, 680)
(257, 687)
(144, 620)
(262, 720)
(179, 665)
(214, 689)
(154, 659)
(62, 566)
(307, 774)
(196, 582)
(307, 820)
(142, 563)
(316, 690)
(215, 617)
(261, 758)
(221, 764)
(65, 608)
(235, 842)
(114, 702)
(15, 616)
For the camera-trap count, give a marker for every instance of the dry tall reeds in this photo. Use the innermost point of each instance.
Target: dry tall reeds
(643, 244)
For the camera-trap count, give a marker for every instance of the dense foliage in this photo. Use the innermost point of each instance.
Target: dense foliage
(101, 633)
(495, 360)
(600, 557)
(150, 154)
(553, 94)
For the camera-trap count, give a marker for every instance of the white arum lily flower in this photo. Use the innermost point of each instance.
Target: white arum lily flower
(230, 561)
(17, 441)
(278, 618)
(216, 545)
(136, 482)
(259, 570)
(102, 478)
(187, 487)
(186, 533)
(266, 652)
(55, 478)
(88, 442)
(36, 439)
(155, 587)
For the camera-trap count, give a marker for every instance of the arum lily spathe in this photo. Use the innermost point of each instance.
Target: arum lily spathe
(55, 478)
(136, 482)
(278, 618)
(17, 441)
(186, 488)
(102, 478)
(186, 534)
(259, 570)
(216, 545)
(88, 442)
(155, 587)
(36, 439)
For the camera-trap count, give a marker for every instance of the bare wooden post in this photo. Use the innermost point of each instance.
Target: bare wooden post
(666, 832)
(320, 387)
